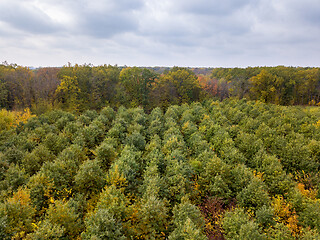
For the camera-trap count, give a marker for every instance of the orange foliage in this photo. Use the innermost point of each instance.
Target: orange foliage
(21, 197)
(23, 117)
(286, 214)
(309, 193)
(208, 84)
(306, 184)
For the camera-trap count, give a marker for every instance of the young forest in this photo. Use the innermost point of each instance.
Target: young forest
(108, 152)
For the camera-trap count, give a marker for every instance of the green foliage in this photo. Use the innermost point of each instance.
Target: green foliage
(310, 216)
(17, 215)
(213, 181)
(63, 216)
(130, 165)
(90, 136)
(55, 143)
(60, 173)
(90, 177)
(136, 140)
(13, 155)
(3, 228)
(137, 83)
(237, 225)
(114, 200)
(152, 222)
(33, 161)
(177, 176)
(47, 230)
(254, 196)
(280, 231)
(265, 217)
(102, 225)
(188, 222)
(108, 113)
(180, 85)
(188, 231)
(41, 188)
(274, 176)
(234, 169)
(13, 178)
(106, 154)
(81, 87)
(310, 234)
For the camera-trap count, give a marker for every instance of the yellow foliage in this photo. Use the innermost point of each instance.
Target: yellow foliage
(92, 203)
(185, 126)
(309, 193)
(19, 212)
(117, 179)
(196, 189)
(68, 85)
(286, 215)
(202, 128)
(258, 175)
(10, 119)
(317, 124)
(304, 185)
(215, 103)
(312, 102)
(21, 197)
(205, 118)
(64, 193)
(35, 226)
(23, 116)
(7, 119)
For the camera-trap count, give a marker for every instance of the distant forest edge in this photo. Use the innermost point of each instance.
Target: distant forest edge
(80, 87)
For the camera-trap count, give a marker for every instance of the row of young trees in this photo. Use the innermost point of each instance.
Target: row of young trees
(81, 87)
(211, 170)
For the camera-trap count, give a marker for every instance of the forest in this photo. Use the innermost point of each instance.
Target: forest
(112, 152)
(81, 87)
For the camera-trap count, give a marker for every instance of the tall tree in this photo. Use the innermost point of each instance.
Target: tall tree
(137, 83)
(67, 93)
(179, 86)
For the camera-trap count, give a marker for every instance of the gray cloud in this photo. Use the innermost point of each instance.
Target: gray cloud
(104, 19)
(152, 32)
(26, 18)
(105, 25)
(213, 7)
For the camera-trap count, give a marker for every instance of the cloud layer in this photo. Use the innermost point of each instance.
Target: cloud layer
(149, 32)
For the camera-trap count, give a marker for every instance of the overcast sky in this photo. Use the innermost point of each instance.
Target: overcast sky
(209, 33)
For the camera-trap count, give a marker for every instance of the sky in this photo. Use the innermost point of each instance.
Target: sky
(198, 33)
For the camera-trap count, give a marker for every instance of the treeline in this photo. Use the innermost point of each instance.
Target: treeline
(80, 87)
(278, 85)
(213, 170)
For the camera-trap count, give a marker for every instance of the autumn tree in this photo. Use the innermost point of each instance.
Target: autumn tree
(180, 85)
(67, 93)
(137, 83)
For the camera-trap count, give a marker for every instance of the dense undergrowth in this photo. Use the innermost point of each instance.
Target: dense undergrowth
(235, 169)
